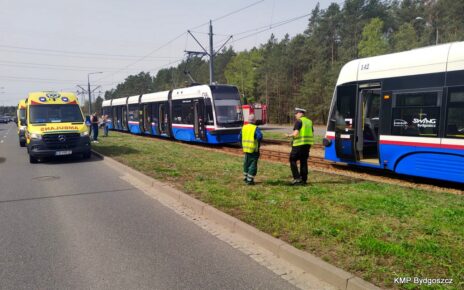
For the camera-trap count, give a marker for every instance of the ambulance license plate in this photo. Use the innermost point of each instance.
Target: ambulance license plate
(65, 152)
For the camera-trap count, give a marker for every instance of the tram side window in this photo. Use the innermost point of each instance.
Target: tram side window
(133, 112)
(455, 122)
(209, 112)
(416, 114)
(154, 113)
(182, 112)
(345, 108)
(107, 111)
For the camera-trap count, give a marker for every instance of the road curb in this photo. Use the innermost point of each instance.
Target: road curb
(306, 261)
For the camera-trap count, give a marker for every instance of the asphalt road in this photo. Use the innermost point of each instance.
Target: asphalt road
(74, 224)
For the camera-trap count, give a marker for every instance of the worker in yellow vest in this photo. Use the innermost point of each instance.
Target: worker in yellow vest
(250, 137)
(303, 138)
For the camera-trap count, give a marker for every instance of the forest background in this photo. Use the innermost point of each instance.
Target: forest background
(302, 70)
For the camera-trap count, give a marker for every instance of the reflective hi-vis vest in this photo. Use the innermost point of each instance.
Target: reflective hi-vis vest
(249, 143)
(305, 136)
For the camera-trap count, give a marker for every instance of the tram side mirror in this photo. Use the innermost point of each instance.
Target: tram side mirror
(332, 123)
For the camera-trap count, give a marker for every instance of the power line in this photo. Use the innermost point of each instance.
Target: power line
(180, 35)
(14, 78)
(238, 10)
(67, 52)
(52, 66)
(267, 27)
(165, 65)
(142, 58)
(229, 14)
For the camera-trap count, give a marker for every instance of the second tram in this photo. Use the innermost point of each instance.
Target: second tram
(204, 113)
(402, 112)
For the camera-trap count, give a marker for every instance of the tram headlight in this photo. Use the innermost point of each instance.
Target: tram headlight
(85, 133)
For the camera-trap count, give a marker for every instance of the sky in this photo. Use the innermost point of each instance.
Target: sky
(54, 45)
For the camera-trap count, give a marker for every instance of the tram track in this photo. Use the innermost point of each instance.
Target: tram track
(279, 156)
(320, 164)
(355, 172)
(287, 143)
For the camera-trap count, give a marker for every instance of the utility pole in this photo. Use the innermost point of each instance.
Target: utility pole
(211, 53)
(3, 101)
(90, 94)
(89, 91)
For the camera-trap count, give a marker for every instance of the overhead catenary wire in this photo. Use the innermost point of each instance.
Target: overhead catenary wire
(228, 14)
(266, 28)
(147, 55)
(53, 66)
(35, 79)
(79, 54)
(180, 35)
(67, 52)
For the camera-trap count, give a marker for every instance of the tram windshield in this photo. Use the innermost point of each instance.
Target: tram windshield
(228, 106)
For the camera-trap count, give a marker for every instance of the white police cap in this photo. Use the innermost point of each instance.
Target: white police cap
(297, 110)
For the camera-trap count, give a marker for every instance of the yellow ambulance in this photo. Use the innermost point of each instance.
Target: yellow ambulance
(55, 126)
(21, 120)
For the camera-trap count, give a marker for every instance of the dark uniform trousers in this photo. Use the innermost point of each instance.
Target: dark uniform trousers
(250, 165)
(300, 153)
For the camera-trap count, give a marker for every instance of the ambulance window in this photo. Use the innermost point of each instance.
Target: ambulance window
(55, 114)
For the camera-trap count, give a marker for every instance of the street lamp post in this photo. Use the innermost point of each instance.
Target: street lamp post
(3, 101)
(428, 24)
(89, 91)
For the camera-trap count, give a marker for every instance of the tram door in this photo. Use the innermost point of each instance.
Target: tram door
(199, 120)
(163, 117)
(345, 122)
(368, 123)
(145, 122)
(114, 117)
(119, 118)
(124, 118)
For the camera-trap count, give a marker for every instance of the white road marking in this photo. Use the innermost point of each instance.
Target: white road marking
(1, 141)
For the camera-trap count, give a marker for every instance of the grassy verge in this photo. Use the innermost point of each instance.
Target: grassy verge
(376, 231)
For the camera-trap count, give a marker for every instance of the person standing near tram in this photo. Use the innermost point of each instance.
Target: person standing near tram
(303, 138)
(250, 137)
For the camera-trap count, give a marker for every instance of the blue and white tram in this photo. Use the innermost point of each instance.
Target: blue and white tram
(106, 108)
(118, 109)
(402, 112)
(205, 113)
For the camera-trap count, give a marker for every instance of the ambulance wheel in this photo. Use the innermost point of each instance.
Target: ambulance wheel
(33, 159)
(86, 155)
(22, 144)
